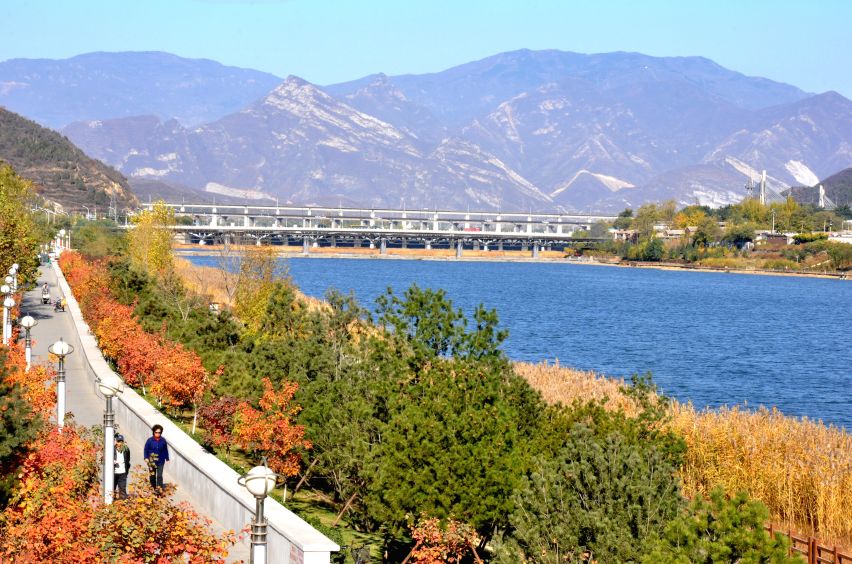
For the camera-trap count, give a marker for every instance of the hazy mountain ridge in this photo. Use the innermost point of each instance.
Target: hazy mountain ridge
(114, 85)
(525, 129)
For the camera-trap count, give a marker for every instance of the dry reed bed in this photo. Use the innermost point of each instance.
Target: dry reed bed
(558, 384)
(212, 283)
(801, 469)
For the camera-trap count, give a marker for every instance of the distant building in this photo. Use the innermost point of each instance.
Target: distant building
(625, 235)
(771, 239)
(677, 234)
(842, 237)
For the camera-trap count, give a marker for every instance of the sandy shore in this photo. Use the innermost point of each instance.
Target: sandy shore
(489, 256)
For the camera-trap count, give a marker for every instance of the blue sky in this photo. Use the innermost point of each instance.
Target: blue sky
(805, 43)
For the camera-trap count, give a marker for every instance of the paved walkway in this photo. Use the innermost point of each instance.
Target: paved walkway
(80, 397)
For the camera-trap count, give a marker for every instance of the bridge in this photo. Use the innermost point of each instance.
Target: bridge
(312, 226)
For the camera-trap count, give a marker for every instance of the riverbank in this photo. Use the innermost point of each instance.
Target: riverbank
(492, 256)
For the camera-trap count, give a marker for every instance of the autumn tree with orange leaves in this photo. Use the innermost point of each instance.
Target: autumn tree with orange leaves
(173, 374)
(270, 431)
(182, 379)
(437, 543)
(38, 384)
(48, 518)
(57, 514)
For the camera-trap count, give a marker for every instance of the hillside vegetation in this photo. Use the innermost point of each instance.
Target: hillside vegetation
(59, 170)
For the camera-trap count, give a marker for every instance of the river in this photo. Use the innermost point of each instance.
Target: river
(710, 338)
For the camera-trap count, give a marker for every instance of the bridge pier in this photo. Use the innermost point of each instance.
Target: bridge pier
(383, 250)
(428, 244)
(306, 246)
(535, 250)
(459, 248)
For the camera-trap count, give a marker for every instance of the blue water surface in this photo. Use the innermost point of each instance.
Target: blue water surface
(712, 338)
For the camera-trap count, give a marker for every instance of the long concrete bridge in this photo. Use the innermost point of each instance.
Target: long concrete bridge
(310, 226)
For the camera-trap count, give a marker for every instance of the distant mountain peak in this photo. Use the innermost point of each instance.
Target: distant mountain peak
(294, 94)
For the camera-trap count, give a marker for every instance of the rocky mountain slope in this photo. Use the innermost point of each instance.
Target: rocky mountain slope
(113, 85)
(60, 171)
(530, 129)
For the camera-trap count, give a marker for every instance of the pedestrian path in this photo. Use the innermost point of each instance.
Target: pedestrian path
(81, 399)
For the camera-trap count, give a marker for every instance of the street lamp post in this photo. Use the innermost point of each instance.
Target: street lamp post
(109, 387)
(28, 322)
(259, 481)
(60, 241)
(61, 349)
(13, 272)
(8, 304)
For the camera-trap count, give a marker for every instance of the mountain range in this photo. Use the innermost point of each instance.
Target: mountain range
(543, 130)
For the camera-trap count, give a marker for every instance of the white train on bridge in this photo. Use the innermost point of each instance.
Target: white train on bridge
(312, 226)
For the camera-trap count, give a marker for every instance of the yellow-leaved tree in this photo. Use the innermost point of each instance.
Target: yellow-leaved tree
(255, 282)
(150, 240)
(19, 237)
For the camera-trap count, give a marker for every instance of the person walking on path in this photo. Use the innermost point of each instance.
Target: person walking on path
(122, 466)
(156, 455)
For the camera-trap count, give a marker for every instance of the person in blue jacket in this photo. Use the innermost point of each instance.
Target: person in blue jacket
(156, 455)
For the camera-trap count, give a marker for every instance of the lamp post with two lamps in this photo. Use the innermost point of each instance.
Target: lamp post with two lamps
(61, 349)
(259, 481)
(60, 241)
(13, 272)
(28, 322)
(109, 386)
(8, 304)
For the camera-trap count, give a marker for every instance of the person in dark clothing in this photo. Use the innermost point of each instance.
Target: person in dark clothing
(156, 455)
(122, 467)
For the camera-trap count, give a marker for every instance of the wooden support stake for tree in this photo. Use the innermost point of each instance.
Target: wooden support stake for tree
(415, 547)
(345, 507)
(305, 475)
(475, 554)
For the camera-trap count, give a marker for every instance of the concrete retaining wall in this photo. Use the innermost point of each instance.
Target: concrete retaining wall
(210, 482)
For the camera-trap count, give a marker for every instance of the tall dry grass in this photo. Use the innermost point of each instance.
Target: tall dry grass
(800, 469)
(212, 283)
(558, 384)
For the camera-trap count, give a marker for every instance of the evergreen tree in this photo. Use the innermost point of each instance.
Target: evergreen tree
(18, 427)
